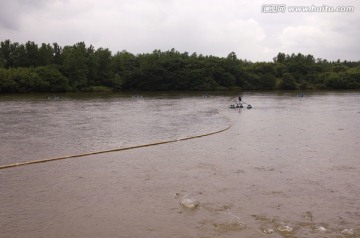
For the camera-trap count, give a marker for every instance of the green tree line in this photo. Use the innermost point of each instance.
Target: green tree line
(52, 68)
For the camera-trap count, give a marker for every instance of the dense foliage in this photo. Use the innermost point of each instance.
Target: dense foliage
(51, 68)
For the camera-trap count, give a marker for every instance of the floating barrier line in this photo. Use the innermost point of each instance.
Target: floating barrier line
(116, 149)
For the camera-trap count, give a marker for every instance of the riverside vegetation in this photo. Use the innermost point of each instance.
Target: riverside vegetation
(51, 68)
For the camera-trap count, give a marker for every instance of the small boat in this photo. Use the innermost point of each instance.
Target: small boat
(241, 106)
(249, 106)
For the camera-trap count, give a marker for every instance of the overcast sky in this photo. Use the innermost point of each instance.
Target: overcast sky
(208, 27)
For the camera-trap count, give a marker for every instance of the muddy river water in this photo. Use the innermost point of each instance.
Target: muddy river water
(288, 167)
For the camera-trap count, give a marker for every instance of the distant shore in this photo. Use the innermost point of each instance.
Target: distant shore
(51, 68)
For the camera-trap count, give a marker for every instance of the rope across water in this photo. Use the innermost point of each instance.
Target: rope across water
(117, 149)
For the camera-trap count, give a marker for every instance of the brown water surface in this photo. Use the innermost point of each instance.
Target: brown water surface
(289, 167)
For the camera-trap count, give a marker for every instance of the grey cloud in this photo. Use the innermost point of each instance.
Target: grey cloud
(12, 12)
(214, 27)
(8, 13)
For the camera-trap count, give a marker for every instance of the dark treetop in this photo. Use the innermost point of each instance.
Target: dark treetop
(51, 68)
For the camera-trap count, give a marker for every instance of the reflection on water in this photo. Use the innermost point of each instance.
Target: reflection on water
(289, 167)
